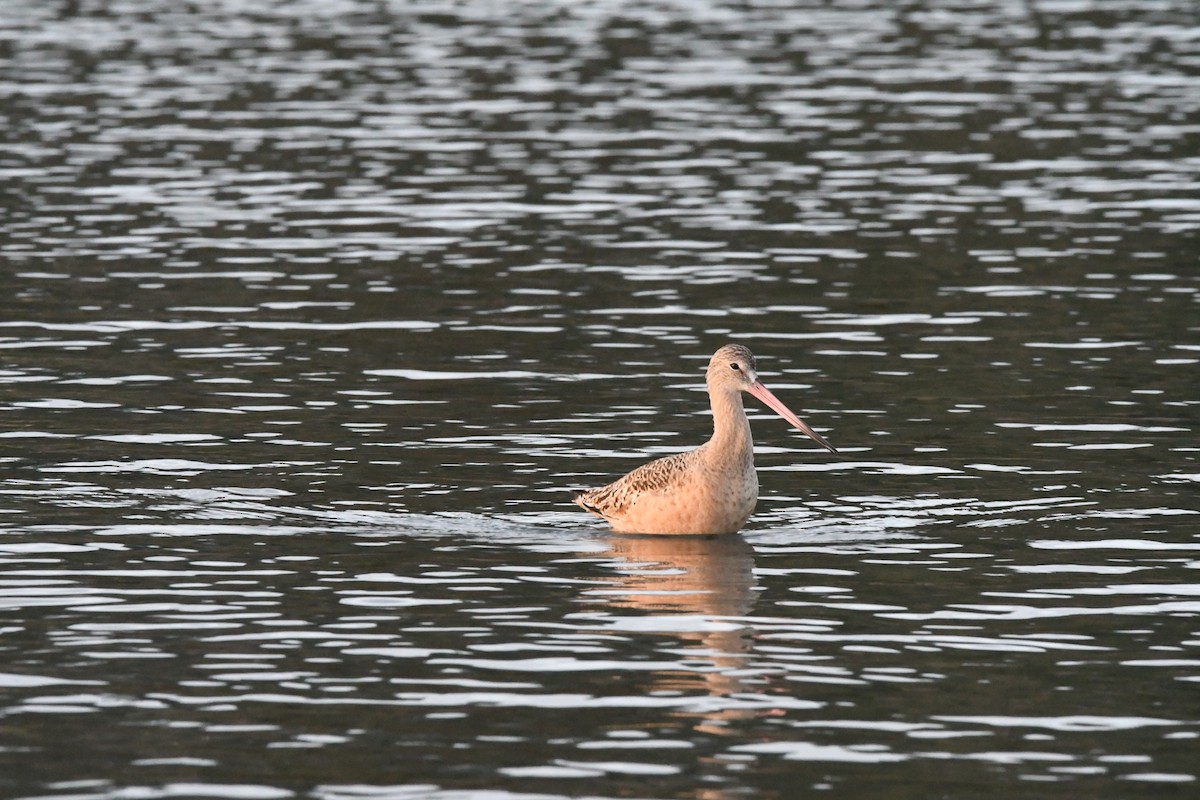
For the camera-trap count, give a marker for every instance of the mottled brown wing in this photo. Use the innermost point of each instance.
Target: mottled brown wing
(612, 500)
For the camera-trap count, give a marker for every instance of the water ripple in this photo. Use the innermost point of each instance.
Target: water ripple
(316, 311)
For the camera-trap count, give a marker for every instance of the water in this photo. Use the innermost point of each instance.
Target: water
(315, 311)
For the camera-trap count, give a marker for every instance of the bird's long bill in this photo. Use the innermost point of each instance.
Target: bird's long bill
(776, 405)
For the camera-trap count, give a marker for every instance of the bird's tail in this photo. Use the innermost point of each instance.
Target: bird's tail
(579, 497)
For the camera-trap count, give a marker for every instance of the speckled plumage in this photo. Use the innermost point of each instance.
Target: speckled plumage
(710, 490)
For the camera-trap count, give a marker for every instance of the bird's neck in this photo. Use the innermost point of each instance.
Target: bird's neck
(731, 429)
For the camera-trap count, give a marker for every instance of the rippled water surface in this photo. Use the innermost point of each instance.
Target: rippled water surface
(314, 312)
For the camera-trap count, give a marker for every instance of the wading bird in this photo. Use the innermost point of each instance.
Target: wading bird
(712, 489)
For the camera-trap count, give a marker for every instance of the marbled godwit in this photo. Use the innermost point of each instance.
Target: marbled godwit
(712, 489)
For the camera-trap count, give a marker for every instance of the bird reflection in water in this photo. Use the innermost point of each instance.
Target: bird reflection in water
(697, 589)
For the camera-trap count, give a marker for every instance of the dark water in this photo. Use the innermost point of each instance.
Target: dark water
(314, 310)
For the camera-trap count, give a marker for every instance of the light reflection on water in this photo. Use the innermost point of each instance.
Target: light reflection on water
(664, 650)
(315, 311)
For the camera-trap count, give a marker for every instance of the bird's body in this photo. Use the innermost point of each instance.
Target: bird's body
(710, 490)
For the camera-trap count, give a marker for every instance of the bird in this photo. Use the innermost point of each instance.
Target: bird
(712, 489)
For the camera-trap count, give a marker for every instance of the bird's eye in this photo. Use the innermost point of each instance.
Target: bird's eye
(735, 367)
